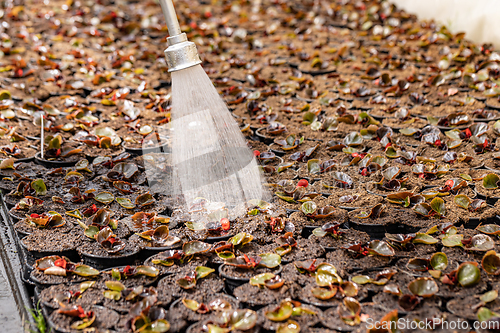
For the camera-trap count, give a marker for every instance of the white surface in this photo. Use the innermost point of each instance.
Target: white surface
(478, 18)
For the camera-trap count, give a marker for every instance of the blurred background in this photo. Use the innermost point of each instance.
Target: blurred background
(479, 18)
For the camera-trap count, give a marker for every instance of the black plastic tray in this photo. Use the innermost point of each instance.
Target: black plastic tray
(13, 257)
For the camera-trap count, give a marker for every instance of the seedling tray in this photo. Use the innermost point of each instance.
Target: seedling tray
(14, 259)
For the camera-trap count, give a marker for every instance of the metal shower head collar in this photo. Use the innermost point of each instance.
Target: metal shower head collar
(180, 53)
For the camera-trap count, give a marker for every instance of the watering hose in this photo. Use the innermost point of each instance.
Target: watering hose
(180, 53)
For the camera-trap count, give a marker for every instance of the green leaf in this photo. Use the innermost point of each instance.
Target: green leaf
(481, 243)
(489, 229)
(391, 172)
(241, 239)
(191, 304)
(491, 181)
(243, 319)
(361, 279)
(489, 296)
(104, 197)
(260, 279)
(319, 232)
(252, 212)
(432, 120)
(423, 208)
(391, 152)
(423, 287)
(86, 285)
(439, 261)
(202, 271)
(115, 274)
(290, 326)
(5, 94)
(114, 285)
(350, 150)
(75, 213)
(468, 274)
(82, 165)
(437, 205)
(216, 329)
(157, 326)
(145, 199)
(353, 139)
(56, 142)
(226, 255)
(326, 275)
(39, 186)
(147, 271)
(270, 260)
(307, 119)
(283, 166)
(84, 323)
(198, 226)
(166, 263)
(462, 201)
(313, 166)
(283, 196)
(465, 177)
(280, 313)
(454, 134)
(73, 176)
(186, 284)
(84, 270)
(113, 294)
(125, 203)
(308, 207)
(316, 125)
(105, 132)
(7, 164)
(491, 263)
(408, 131)
(418, 264)
(429, 195)
(282, 250)
(452, 240)
(485, 314)
(424, 239)
(299, 311)
(91, 231)
(380, 248)
(195, 247)
(324, 293)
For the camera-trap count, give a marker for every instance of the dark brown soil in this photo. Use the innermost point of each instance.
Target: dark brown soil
(257, 297)
(245, 274)
(89, 297)
(342, 259)
(48, 280)
(332, 320)
(105, 319)
(305, 320)
(208, 285)
(348, 236)
(177, 266)
(89, 247)
(55, 241)
(183, 312)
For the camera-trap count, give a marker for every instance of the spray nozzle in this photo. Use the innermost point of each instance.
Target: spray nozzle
(181, 53)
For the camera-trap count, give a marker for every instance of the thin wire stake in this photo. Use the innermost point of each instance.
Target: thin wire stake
(41, 136)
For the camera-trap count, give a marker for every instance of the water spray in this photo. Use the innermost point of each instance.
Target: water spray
(214, 173)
